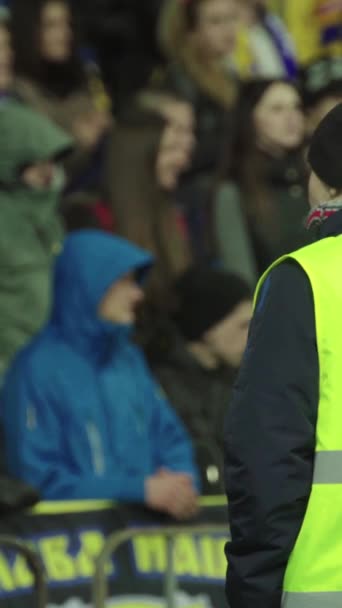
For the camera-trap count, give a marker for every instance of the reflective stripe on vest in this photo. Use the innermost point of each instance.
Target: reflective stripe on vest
(312, 600)
(313, 577)
(328, 468)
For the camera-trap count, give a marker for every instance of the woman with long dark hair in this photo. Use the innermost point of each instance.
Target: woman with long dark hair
(51, 76)
(260, 206)
(196, 37)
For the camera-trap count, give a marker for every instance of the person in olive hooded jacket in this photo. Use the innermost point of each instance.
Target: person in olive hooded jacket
(31, 231)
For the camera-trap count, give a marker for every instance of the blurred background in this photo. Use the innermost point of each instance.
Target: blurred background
(189, 121)
(181, 125)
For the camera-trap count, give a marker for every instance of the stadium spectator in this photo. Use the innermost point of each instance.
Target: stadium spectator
(53, 79)
(51, 76)
(264, 47)
(197, 359)
(141, 189)
(259, 212)
(196, 37)
(31, 231)
(83, 417)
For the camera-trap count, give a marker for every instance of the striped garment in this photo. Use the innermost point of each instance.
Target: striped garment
(318, 215)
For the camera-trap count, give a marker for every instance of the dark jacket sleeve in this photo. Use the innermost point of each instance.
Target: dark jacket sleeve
(270, 439)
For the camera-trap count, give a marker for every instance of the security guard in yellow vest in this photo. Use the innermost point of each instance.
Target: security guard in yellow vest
(283, 436)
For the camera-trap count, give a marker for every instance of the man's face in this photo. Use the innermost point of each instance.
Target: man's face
(120, 302)
(227, 340)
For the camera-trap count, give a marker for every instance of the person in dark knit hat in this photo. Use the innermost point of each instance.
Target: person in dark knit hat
(209, 300)
(283, 435)
(198, 361)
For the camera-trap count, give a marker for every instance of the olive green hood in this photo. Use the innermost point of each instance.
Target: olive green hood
(31, 232)
(27, 138)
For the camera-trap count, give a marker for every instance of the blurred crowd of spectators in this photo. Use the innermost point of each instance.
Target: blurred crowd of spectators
(180, 125)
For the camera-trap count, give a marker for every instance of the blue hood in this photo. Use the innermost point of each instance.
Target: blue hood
(91, 261)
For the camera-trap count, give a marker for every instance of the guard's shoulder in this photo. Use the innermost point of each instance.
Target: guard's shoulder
(286, 280)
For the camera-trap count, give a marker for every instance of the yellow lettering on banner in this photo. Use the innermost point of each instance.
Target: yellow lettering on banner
(186, 557)
(6, 576)
(22, 574)
(212, 557)
(59, 565)
(198, 557)
(19, 576)
(150, 554)
(91, 546)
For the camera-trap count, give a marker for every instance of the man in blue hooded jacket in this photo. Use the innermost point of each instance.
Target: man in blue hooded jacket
(82, 415)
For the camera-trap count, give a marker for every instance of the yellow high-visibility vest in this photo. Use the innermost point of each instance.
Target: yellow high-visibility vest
(313, 576)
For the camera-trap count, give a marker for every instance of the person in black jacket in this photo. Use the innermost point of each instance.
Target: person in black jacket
(201, 356)
(196, 358)
(271, 425)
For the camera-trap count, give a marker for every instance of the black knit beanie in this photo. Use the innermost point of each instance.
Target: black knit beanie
(325, 151)
(205, 296)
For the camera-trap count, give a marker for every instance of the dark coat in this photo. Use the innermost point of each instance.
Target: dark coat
(282, 229)
(248, 239)
(270, 436)
(199, 395)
